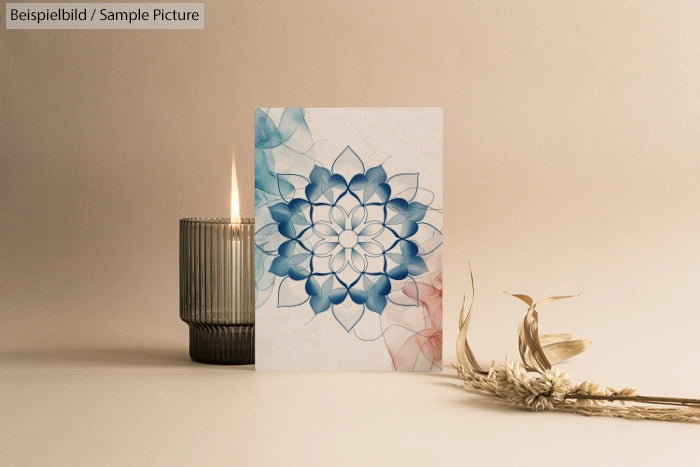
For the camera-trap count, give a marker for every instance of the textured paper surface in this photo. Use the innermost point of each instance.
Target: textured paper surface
(348, 235)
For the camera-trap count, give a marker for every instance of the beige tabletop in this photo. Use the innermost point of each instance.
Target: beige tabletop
(144, 406)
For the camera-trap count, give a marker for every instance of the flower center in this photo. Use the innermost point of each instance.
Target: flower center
(347, 239)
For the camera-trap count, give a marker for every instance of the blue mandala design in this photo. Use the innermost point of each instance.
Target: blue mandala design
(350, 234)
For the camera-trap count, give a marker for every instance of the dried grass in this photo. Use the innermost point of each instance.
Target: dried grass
(536, 385)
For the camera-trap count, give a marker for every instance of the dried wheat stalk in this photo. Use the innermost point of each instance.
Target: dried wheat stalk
(534, 384)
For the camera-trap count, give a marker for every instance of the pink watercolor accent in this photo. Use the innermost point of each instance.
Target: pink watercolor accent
(406, 347)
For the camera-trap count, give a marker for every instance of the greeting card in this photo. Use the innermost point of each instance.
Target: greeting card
(348, 214)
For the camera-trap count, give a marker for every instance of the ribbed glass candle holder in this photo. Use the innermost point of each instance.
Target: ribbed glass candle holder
(217, 295)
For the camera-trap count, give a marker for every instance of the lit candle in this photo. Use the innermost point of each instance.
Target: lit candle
(235, 203)
(217, 279)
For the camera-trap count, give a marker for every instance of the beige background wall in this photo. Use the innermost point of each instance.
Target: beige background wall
(571, 162)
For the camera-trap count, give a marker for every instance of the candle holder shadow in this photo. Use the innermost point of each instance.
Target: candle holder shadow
(217, 295)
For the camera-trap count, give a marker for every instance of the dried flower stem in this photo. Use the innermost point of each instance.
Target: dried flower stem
(639, 399)
(534, 384)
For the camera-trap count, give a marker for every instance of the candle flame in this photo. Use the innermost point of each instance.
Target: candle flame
(235, 204)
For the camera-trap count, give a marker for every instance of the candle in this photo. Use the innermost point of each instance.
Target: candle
(235, 204)
(217, 298)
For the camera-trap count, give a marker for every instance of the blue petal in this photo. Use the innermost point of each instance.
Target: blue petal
(357, 216)
(287, 248)
(358, 182)
(416, 266)
(416, 211)
(384, 191)
(376, 174)
(313, 192)
(280, 212)
(408, 248)
(382, 286)
(339, 217)
(397, 204)
(337, 295)
(297, 204)
(408, 228)
(327, 286)
(319, 304)
(376, 303)
(287, 229)
(397, 219)
(395, 257)
(367, 193)
(298, 274)
(279, 267)
(337, 181)
(358, 296)
(319, 174)
(299, 219)
(398, 273)
(312, 286)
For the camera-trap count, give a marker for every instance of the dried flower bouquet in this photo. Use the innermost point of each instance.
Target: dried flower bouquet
(534, 384)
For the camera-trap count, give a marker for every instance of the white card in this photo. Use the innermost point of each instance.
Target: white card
(348, 213)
